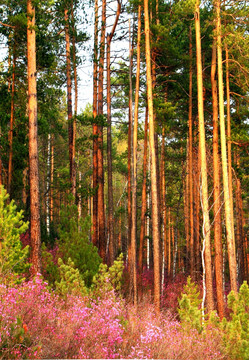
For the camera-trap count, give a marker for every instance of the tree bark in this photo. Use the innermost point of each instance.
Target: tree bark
(74, 174)
(109, 138)
(95, 132)
(101, 204)
(217, 192)
(228, 213)
(154, 189)
(35, 232)
(144, 199)
(12, 116)
(204, 183)
(190, 155)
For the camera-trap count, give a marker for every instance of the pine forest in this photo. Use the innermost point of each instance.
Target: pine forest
(124, 179)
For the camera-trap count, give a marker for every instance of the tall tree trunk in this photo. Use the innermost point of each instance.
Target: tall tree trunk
(52, 181)
(154, 189)
(48, 184)
(204, 183)
(12, 115)
(69, 94)
(101, 204)
(228, 213)
(190, 154)
(143, 209)
(241, 238)
(74, 175)
(229, 143)
(217, 192)
(134, 167)
(35, 231)
(129, 148)
(95, 236)
(109, 138)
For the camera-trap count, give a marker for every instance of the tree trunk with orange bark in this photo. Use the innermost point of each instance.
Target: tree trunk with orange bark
(109, 139)
(154, 188)
(35, 231)
(217, 192)
(204, 183)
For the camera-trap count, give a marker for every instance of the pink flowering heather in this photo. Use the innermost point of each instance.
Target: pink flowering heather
(36, 323)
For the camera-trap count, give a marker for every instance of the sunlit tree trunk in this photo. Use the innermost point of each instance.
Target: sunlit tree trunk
(134, 167)
(190, 154)
(35, 231)
(130, 148)
(229, 143)
(95, 131)
(154, 189)
(109, 139)
(228, 213)
(204, 183)
(217, 191)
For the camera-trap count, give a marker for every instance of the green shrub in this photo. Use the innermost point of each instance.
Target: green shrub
(13, 258)
(70, 280)
(108, 279)
(236, 331)
(190, 307)
(74, 244)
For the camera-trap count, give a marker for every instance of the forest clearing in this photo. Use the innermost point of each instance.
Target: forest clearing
(124, 222)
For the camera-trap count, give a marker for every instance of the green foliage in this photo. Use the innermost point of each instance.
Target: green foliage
(13, 258)
(236, 331)
(70, 280)
(189, 307)
(49, 269)
(74, 244)
(109, 279)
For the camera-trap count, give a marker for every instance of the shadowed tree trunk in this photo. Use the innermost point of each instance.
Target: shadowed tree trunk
(144, 198)
(101, 204)
(95, 132)
(12, 116)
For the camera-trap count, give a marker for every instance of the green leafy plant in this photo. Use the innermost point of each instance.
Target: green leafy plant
(190, 307)
(70, 280)
(236, 331)
(13, 257)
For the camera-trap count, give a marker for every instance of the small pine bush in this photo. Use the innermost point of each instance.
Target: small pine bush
(13, 257)
(110, 279)
(189, 307)
(74, 244)
(70, 282)
(236, 331)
